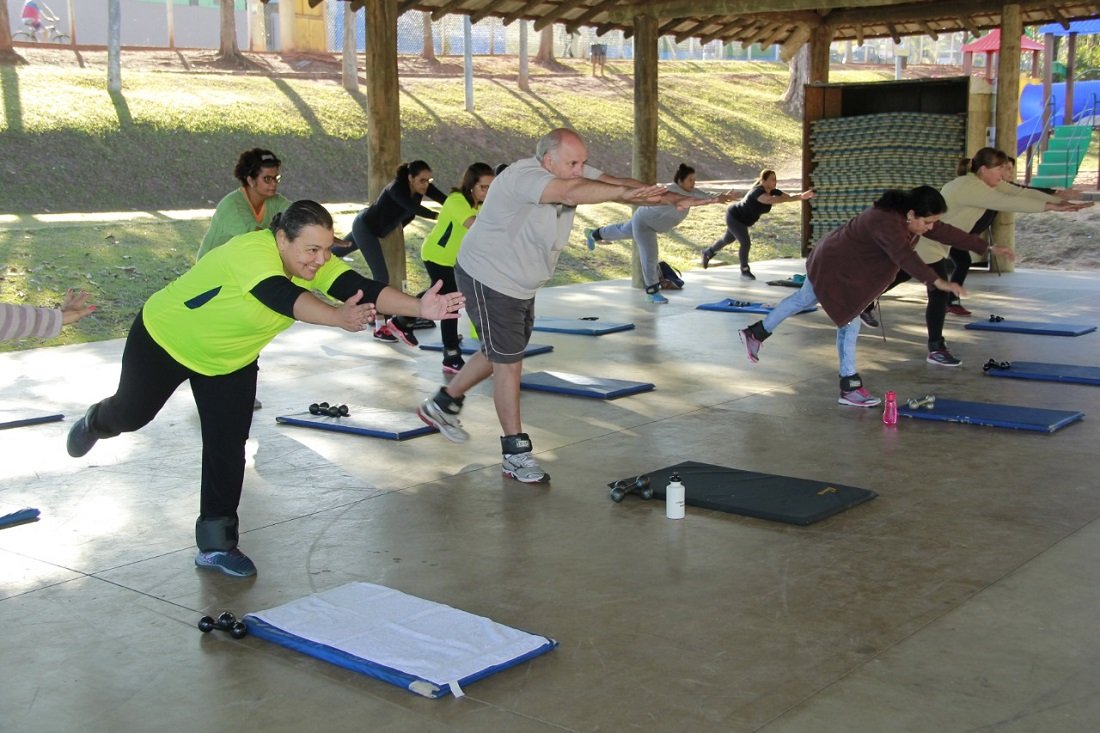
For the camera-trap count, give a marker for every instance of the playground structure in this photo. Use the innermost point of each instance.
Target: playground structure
(1062, 143)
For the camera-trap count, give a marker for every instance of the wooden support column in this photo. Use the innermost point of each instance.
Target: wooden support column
(644, 163)
(821, 37)
(384, 118)
(1008, 111)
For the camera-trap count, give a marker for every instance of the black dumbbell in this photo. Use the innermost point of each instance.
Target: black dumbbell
(995, 318)
(994, 364)
(325, 408)
(225, 622)
(638, 485)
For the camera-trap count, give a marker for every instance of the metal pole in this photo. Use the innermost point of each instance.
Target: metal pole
(114, 46)
(468, 60)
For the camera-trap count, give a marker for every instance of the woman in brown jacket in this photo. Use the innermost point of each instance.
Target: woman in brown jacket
(852, 265)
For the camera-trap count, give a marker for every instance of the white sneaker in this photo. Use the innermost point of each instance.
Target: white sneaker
(446, 423)
(523, 467)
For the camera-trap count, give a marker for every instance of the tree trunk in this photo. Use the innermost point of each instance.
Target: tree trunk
(546, 46)
(428, 52)
(228, 50)
(8, 56)
(794, 99)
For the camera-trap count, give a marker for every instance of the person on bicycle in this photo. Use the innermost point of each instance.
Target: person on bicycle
(34, 12)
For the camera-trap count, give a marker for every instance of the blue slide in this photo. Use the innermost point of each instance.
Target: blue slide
(1031, 108)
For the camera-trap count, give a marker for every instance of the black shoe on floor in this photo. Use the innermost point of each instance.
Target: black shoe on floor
(81, 438)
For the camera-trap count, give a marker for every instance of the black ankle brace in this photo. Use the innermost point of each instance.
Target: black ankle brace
(447, 403)
(758, 332)
(513, 444)
(848, 384)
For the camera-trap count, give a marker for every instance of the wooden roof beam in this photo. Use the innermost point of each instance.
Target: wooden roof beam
(696, 30)
(970, 25)
(687, 8)
(666, 29)
(893, 31)
(485, 10)
(780, 32)
(401, 7)
(760, 35)
(928, 30)
(523, 10)
(589, 14)
(1058, 17)
(447, 9)
(556, 13)
(720, 32)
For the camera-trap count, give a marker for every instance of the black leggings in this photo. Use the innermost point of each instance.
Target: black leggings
(936, 311)
(448, 327)
(225, 403)
(735, 230)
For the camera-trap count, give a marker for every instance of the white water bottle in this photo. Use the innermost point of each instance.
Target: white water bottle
(674, 498)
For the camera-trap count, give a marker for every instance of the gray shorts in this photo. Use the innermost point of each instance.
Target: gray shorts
(503, 323)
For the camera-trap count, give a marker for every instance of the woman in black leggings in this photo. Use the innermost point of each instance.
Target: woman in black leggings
(397, 205)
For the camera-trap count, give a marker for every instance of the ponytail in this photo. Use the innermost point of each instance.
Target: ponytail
(682, 172)
(298, 216)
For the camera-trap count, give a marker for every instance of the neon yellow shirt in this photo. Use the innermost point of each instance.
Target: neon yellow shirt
(443, 242)
(207, 319)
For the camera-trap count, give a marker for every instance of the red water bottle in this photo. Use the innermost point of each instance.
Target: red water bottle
(890, 411)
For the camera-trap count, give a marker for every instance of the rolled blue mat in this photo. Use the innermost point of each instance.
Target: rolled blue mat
(23, 515)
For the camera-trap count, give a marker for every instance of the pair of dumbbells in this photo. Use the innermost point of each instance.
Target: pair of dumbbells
(638, 485)
(324, 408)
(225, 622)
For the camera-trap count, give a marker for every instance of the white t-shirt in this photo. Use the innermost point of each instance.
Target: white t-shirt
(514, 245)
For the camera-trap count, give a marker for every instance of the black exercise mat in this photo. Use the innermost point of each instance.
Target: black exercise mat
(761, 495)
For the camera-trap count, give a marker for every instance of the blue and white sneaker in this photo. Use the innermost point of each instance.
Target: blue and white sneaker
(656, 298)
(231, 562)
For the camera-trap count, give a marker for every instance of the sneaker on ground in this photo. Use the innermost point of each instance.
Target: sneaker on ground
(706, 257)
(957, 309)
(859, 398)
(868, 316)
(404, 335)
(523, 467)
(656, 298)
(81, 439)
(747, 274)
(231, 562)
(752, 344)
(943, 357)
(446, 423)
(590, 238)
(382, 333)
(453, 364)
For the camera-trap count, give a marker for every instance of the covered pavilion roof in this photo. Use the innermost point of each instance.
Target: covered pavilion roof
(991, 43)
(762, 21)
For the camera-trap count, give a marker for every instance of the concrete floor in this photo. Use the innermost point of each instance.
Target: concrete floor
(959, 599)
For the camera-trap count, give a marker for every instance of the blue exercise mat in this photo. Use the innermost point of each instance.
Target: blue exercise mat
(19, 517)
(23, 418)
(372, 422)
(472, 346)
(1014, 417)
(421, 646)
(1033, 327)
(581, 386)
(732, 305)
(761, 495)
(1048, 372)
(581, 326)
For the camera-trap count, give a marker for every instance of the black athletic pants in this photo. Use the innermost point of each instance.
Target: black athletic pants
(225, 403)
(448, 327)
(936, 311)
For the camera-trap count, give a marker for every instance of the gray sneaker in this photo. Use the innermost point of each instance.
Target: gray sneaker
(446, 423)
(81, 438)
(231, 562)
(523, 467)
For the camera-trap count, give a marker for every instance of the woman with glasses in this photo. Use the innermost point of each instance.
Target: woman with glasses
(397, 205)
(250, 207)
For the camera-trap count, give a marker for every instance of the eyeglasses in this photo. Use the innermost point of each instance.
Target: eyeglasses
(271, 179)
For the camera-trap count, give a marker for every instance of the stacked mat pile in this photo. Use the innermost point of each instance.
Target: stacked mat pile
(857, 158)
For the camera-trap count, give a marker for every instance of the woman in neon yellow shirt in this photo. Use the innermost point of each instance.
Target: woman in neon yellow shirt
(440, 248)
(208, 327)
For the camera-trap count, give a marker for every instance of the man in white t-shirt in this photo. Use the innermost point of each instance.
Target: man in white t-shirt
(509, 253)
